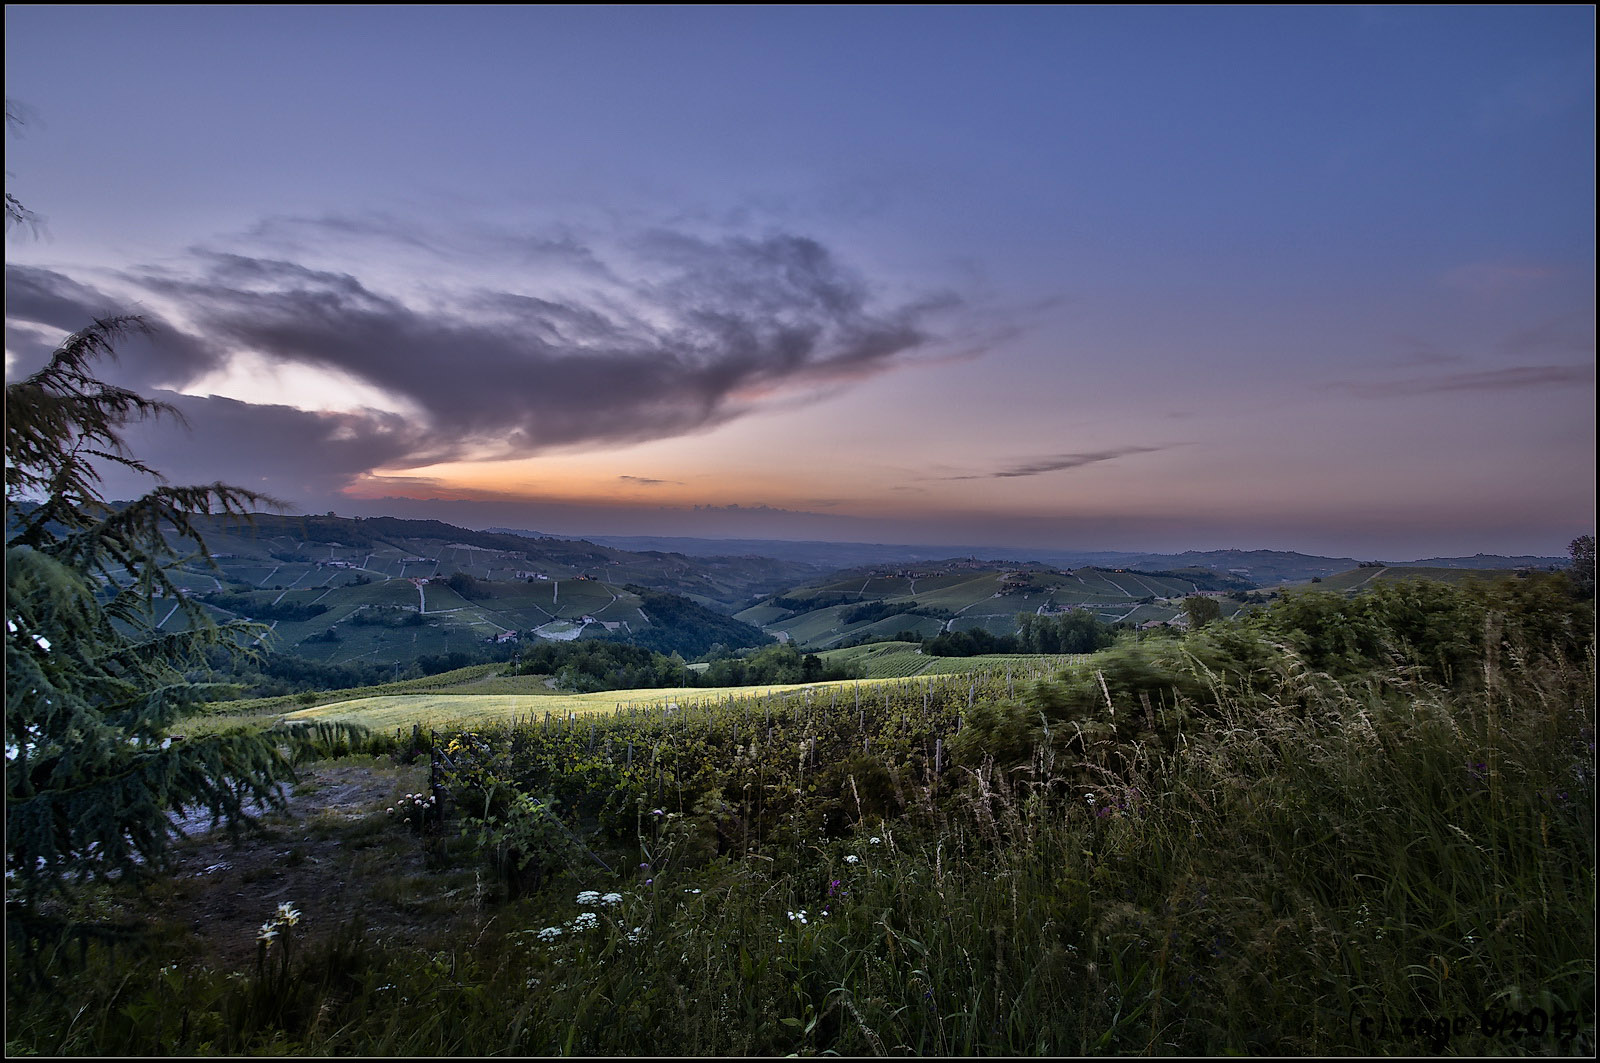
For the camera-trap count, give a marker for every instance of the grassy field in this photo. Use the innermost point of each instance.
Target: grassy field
(389, 711)
(1260, 840)
(986, 598)
(1358, 578)
(888, 660)
(762, 614)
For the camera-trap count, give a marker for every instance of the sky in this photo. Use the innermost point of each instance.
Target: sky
(1099, 278)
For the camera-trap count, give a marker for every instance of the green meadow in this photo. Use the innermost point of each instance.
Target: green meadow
(1342, 825)
(885, 660)
(966, 596)
(386, 712)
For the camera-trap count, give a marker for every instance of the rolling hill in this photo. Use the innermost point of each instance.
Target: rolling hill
(390, 590)
(1262, 567)
(277, 549)
(960, 594)
(1356, 579)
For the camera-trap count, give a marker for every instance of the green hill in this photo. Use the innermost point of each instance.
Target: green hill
(280, 552)
(961, 594)
(385, 590)
(1357, 579)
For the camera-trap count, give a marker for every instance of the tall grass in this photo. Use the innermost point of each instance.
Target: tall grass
(1256, 867)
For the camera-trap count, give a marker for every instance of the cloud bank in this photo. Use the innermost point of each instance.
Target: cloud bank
(670, 333)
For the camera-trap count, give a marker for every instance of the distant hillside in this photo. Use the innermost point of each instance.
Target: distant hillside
(389, 591)
(824, 555)
(1358, 579)
(678, 625)
(401, 548)
(1261, 567)
(962, 594)
(1485, 561)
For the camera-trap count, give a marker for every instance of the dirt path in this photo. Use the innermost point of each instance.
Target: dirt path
(1375, 574)
(333, 854)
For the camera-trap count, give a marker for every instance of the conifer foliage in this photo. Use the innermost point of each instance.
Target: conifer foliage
(96, 674)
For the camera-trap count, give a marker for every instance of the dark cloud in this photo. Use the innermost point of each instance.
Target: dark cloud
(41, 304)
(45, 297)
(28, 346)
(704, 332)
(646, 481)
(279, 450)
(1513, 379)
(1058, 463)
(513, 374)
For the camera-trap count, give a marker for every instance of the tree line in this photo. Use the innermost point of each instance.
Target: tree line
(1076, 631)
(590, 665)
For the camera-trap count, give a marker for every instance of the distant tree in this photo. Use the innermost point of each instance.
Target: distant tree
(1075, 631)
(93, 684)
(469, 587)
(16, 213)
(1201, 610)
(781, 663)
(1582, 570)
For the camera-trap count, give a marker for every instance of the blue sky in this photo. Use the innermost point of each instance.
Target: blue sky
(1144, 278)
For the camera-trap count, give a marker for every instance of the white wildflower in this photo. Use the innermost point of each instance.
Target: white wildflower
(589, 897)
(875, 840)
(852, 859)
(550, 933)
(636, 935)
(585, 921)
(288, 914)
(611, 900)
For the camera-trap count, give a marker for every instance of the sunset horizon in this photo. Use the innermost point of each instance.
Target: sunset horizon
(1096, 279)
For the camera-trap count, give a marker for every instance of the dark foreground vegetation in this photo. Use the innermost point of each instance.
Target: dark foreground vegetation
(1340, 826)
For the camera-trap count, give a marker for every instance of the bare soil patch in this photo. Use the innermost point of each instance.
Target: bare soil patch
(334, 854)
